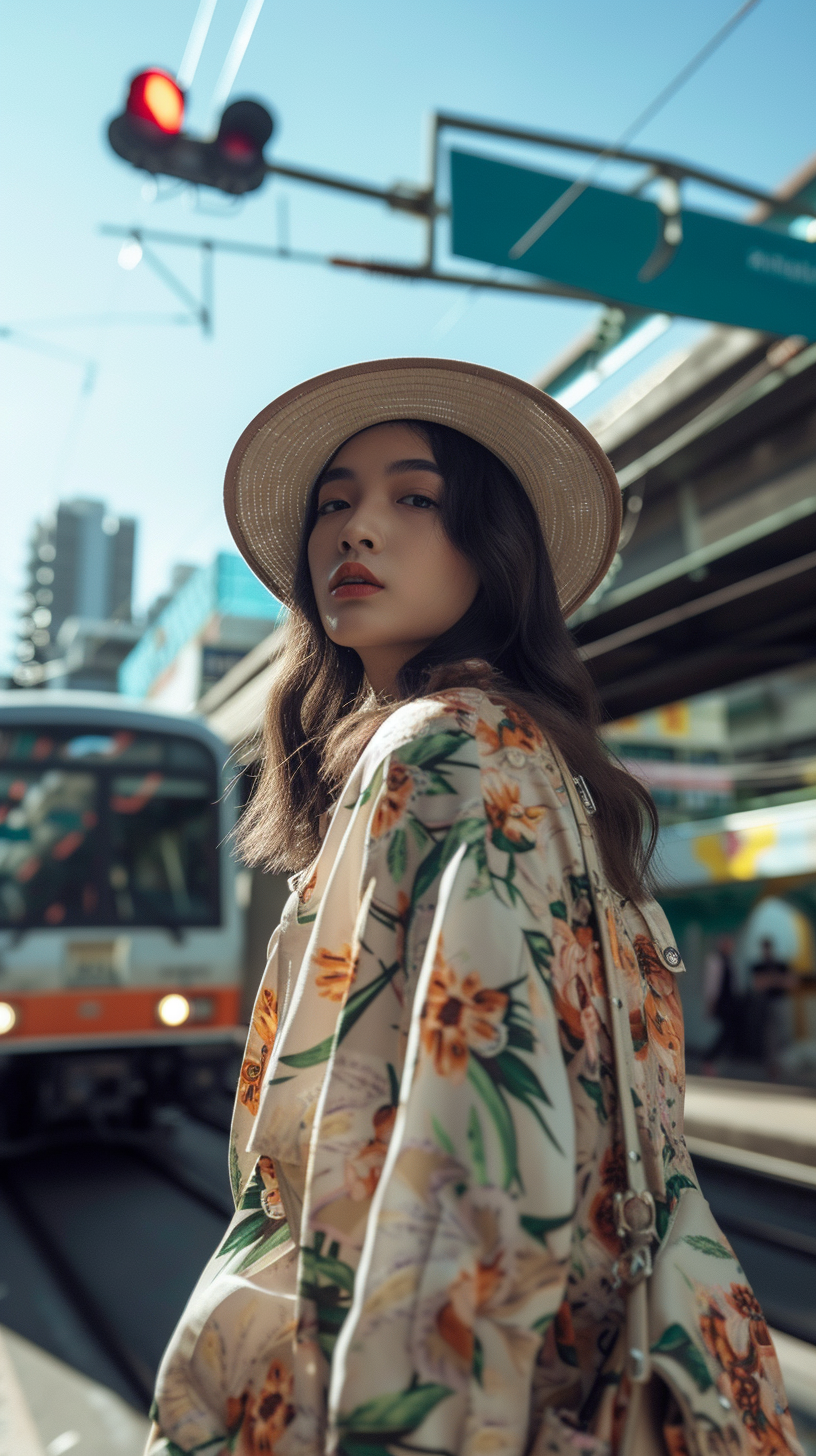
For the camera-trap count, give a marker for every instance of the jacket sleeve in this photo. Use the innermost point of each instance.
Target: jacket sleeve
(467, 1247)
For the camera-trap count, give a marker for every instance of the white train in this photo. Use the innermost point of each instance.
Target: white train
(120, 933)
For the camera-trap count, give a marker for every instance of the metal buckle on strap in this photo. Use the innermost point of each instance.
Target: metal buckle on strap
(631, 1267)
(635, 1224)
(634, 1215)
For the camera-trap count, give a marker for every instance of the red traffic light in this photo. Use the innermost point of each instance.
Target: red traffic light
(155, 97)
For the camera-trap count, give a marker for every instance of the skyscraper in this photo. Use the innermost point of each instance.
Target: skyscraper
(80, 567)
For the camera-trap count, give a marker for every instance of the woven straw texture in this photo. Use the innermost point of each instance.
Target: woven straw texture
(562, 468)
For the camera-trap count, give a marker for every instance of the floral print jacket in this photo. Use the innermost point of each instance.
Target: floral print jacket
(425, 1147)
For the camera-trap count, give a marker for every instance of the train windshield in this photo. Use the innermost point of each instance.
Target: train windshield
(107, 828)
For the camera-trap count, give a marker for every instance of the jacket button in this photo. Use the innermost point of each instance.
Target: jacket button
(671, 955)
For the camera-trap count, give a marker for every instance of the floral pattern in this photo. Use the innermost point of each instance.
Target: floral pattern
(261, 1040)
(426, 1149)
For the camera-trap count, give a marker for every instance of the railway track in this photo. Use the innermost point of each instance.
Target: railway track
(102, 1238)
(770, 1218)
(101, 1241)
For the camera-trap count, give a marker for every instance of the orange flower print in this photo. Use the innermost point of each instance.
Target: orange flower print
(602, 1208)
(661, 1009)
(467, 1297)
(265, 1018)
(734, 1331)
(306, 891)
(268, 1413)
(513, 821)
(515, 730)
(460, 1016)
(575, 975)
(338, 969)
(389, 811)
(264, 1027)
(251, 1080)
(362, 1172)
(271, 1201)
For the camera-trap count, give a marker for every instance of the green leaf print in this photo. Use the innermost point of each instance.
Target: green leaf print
(519, 1079)
(500, 1113)
(316, 1264)
(442, 1138)
(542, 951)
(418, 830)
(511, 846)
(234, 1172)
(371, 788)
(465, 831)
(538, 1228)
(594, 1092)
(477, 1366)
(675, 1184)
(435, 748)
(251, 1196)
(481, 884)
(329, 1284)
(706, 1245)
(397, 856)
(477, 1148)
(521, 1082)
(253, 1229)
(278, 1234)
(389, 1416)
(352, 1011)
(677, 1344)
(320, 1052)
(558, 910)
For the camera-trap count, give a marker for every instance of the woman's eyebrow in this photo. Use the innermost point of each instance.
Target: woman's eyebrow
(337, 472)
(400, 467)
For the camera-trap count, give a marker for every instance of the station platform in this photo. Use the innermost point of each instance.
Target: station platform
(758, 1125)
(48, 1409)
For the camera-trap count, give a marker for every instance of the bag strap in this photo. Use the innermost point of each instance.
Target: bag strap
(634, 1208)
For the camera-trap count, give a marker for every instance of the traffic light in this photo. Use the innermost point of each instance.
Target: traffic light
(148, 134)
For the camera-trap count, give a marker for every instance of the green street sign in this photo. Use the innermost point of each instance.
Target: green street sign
(726, 272)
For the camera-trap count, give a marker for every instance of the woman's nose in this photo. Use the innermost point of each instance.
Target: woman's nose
(359, 534)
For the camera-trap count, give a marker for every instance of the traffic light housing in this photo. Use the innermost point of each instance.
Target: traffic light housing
(149, 135)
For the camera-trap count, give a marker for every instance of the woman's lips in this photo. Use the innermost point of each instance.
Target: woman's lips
(355, 589)
(353, 580)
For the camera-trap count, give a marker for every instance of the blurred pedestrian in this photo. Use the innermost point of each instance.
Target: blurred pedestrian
(772, 981)
(722, 1002)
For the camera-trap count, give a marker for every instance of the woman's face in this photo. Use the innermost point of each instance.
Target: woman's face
(386, 578)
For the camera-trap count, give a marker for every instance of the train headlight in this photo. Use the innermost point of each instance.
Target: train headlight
(8, 1017)
(173, 1010)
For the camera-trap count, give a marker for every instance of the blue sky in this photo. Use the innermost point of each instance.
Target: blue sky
(352, 86)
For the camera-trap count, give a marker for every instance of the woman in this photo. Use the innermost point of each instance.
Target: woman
(434, 1242)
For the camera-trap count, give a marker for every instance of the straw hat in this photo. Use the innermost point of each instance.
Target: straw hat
(563, 470)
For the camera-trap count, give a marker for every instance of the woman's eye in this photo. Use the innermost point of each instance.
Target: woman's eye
(424, 502)
(331, 506)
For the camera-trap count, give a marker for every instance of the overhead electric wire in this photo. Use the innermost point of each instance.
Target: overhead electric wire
(195, 44)
(235, 54)
(565, 201)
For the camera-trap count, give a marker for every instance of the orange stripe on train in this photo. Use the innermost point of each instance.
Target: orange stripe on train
(107, 1009)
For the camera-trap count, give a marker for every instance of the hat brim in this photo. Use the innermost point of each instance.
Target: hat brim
(561, 467)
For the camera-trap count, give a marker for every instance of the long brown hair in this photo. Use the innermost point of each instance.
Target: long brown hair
(512, 641)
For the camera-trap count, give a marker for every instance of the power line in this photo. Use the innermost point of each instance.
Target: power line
(235, 54)
(559, 207)
(195, 44)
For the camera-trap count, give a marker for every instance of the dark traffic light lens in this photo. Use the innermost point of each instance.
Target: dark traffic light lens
(244, 130)
(155, 97)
